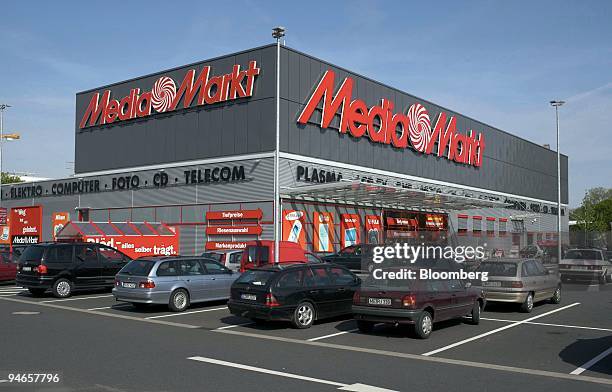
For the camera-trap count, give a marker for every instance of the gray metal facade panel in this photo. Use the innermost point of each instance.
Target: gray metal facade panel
(510, 164)
(242, 126)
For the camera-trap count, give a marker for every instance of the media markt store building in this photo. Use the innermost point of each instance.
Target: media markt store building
(360, 162)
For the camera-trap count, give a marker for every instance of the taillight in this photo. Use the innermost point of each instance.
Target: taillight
(516, 284)
(356, 297)
(42, 269)
(17, 267)
(409, 301)
(147, 284)
(271, 300)
(117, 282)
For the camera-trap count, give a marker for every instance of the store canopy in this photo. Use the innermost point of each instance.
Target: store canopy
(109, 229)
(386, 196)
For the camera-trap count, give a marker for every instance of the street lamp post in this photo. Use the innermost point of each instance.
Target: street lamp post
(2, 108)
(556, 105)
(278, 33)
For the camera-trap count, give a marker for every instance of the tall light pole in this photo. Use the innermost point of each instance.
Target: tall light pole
(3, 107)
(278, 33)
(556, 105)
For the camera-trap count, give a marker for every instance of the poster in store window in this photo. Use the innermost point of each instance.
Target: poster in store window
(323, 232)
(26, 225)
(350, 230)
(59, 220)
(373, 229)
(294, 227)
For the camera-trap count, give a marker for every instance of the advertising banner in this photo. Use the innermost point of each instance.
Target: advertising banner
(136, 246)
(3, 216)
(350, 230)
(225, 245)
(58, 221)
(294, 227)
(434, 221)
(323, 232)
(233, 230)
(26, 225)
(235, 214)
(373, 229)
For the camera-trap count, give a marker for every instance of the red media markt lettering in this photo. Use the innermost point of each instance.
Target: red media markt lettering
(381, 125)
(164, 96)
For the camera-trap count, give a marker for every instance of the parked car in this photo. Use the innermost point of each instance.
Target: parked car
(531, 251)
(174, 281)
(418, 302)
(519, 281)
(349, 257)
(66, 267)
(299, 293)
(260, 253)
(586, 265)
(8, 266)
(313, 258)
(229, 258)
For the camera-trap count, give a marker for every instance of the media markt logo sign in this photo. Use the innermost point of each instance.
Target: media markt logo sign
(165, 96)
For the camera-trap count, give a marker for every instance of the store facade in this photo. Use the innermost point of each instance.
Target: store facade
(193, 147)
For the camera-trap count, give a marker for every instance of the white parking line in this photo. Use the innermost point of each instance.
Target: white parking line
(75, 299)
(332, 335)
(550, 325)
(482, 335)
(112, 307)
(592, 362)
(185, 313)
(341, 386)
(233, 326)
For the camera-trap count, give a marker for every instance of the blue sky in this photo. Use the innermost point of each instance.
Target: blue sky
(499, 62)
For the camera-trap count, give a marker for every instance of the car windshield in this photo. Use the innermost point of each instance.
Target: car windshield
(256, 278)
(495, 268)
(32, 253)
(583, 254)
(138, 267)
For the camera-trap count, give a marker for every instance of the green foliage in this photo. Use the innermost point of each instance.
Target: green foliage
(10, 179)
(595, 213)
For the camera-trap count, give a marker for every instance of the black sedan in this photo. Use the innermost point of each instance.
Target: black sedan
(299, 293)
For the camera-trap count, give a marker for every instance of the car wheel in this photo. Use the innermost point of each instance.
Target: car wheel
(424, 325)
(527, 306)
(365, 326)
(602, 279)
(609, 278)
(37, 292)
(62, 288)
(475, 313)
(179, 300)
(556, 298)
(304, 315)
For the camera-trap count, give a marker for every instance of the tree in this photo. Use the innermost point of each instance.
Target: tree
(595, 213)
(10, 179)
(597, 195)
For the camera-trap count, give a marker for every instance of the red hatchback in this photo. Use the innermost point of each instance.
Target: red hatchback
(417, 302)
(8, 266)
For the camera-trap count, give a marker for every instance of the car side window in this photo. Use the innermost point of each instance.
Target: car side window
(455, 284)
(214, 268)
(87, 253)
(190, 268)
(540, 268)
(308, 280)
(59, 254)
(111, 255)
(291, 279)
(312, 258)
(321, 277)
(167, 268)
(530, 268)
(341, 276)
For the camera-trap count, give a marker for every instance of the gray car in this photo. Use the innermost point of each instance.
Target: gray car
(522, 281)
(174, 281)
(586, 265)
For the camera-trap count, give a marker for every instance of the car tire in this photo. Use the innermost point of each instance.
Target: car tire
(475, 314)
(179, 300)
(365, 326)
(556, 298)
(424, 325)
(609, 278)
(602, 279)
(527, 306)
(37, 292)
(63, 288)
(303, 316)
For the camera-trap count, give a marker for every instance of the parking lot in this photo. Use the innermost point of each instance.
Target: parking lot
(565, 342)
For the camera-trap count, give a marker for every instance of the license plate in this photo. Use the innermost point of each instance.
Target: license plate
(580, 267)
(27, 269)
(250, 297)
(379, 301)
(491, 284)
(128, 285)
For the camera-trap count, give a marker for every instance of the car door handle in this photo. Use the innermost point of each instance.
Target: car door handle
(341, 289)
(213, 278)
(314, 291)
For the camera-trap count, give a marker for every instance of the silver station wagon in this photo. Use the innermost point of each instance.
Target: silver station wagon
(174, 281)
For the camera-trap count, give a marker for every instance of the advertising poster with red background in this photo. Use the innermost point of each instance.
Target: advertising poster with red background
(136, 246)
(26, 225)
(323, 237)
(58, 221)
(294, 227)
(373, 229)
(350, 230)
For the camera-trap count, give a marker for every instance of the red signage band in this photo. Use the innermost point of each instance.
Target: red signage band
(233, 230)
(402, 222)
(164, 95)
(381, 124)
(235, 214)
(225, 245)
